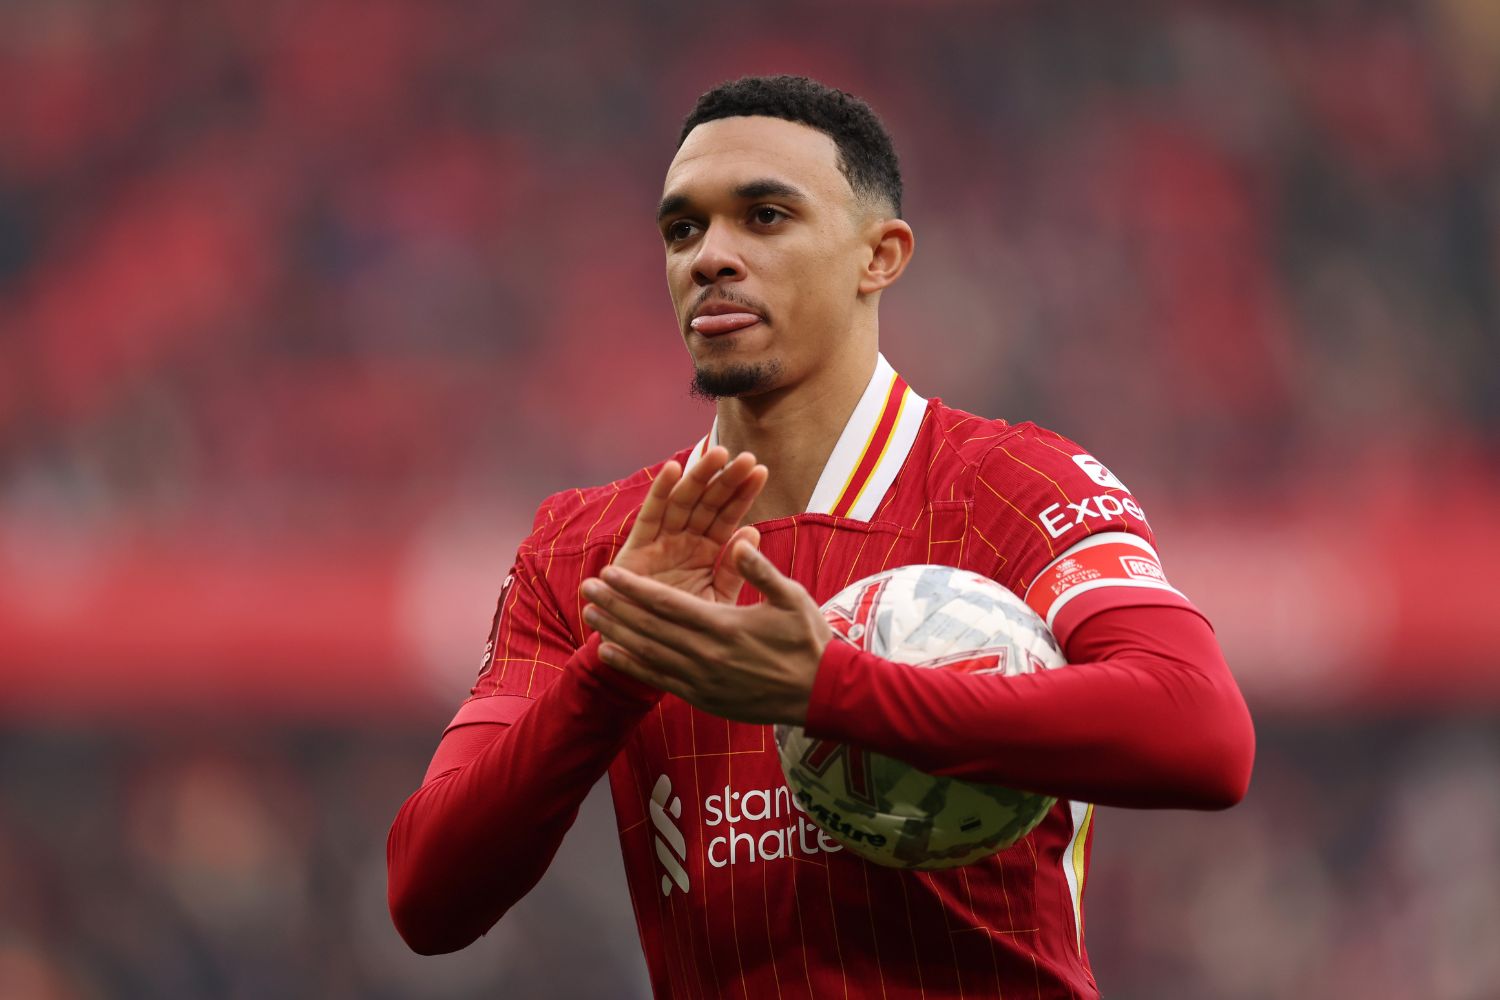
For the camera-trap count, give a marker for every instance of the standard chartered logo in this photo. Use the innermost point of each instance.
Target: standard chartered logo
(668, 837)
(761, 824)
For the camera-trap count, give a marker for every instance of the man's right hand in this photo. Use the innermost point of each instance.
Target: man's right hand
(689, 523)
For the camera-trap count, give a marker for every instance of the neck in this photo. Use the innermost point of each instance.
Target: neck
(792, 432)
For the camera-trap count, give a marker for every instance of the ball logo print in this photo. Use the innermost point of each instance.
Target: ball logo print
(822, 754)
(1095, 470)
(937, 618)
(671, 848)
(851, 619)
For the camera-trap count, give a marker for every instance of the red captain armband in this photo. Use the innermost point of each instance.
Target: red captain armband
(1108, 569)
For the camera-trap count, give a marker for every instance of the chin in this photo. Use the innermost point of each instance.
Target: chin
(728, 379)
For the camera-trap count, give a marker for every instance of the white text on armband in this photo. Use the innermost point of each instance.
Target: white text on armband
(1107, 559)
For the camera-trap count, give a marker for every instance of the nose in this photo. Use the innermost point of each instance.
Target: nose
(717, 258)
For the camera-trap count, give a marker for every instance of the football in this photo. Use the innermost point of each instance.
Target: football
(939, 618)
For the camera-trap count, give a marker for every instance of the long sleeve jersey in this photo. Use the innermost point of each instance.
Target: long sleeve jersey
(736, 892)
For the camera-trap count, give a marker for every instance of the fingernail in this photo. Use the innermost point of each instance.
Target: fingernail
(593, 589)
(591, 616)
(610, 573)
(606, 652)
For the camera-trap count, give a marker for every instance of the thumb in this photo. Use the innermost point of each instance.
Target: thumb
(761, 574)
(749, 534)
(728, 560)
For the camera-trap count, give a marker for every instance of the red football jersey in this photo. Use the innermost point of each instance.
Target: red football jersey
(736, 893)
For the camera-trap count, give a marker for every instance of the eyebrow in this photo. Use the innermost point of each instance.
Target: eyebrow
(764, 187)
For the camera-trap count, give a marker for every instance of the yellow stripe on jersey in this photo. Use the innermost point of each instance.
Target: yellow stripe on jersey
(1078, 861)
(885, 446)
(859, 460)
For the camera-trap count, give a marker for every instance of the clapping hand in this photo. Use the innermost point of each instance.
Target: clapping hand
(666, 606)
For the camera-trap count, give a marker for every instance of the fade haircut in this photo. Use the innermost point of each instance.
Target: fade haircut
(865, 154)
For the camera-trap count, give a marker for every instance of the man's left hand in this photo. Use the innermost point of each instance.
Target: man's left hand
(749, 664)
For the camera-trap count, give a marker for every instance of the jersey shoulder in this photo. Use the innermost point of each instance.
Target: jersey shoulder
(592, 516)
(962, 438)
(990, 444)
(1030, 485)
(1048, 519)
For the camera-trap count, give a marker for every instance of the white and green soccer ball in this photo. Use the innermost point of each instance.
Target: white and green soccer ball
(940, 618)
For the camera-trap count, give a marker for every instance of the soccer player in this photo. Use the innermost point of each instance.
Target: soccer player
(656, 627)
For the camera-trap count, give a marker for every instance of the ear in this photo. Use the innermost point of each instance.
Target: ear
(891, 246)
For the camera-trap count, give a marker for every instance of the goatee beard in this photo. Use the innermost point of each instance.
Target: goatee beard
(735, 379)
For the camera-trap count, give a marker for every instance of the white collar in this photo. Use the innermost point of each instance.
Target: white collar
(871, 450)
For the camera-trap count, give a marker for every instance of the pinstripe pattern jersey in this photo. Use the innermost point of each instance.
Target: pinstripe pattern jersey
(736, 893)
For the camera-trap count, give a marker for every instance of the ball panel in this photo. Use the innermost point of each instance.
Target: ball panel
(885, 810)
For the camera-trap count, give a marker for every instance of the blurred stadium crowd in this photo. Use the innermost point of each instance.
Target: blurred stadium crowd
(1365, 864)
(273, 262)
(354, 283)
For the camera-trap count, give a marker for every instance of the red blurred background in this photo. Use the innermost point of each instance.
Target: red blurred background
(305, 306)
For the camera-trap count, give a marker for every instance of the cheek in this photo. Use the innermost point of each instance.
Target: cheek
(818, 276)
(679, 283)
(830, 286)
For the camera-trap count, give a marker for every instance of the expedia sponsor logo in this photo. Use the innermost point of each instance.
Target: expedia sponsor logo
(1060, 518)
(1143, 569)
(1095, 470)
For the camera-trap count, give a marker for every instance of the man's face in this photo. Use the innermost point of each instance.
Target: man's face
(764, 248)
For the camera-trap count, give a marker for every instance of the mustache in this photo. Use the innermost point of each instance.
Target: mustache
(733, 298)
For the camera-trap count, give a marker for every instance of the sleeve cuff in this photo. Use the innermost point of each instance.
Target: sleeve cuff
(822, 706)
(620, 687)
(584, 668)
(502, 708)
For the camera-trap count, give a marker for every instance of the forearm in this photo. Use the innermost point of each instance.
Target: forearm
(476, 838)
(1146, 715)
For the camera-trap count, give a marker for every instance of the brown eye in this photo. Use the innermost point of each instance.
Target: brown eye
(679, 230)
(768, 216)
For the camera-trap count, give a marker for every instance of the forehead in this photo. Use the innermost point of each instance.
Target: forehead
(722, 154)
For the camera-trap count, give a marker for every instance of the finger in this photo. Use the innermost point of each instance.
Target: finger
(761, 574)
(610, 610)
(685, 495)
(720, 492)
(734, 511)
(647, 648)
(727, 577)
(623, 592)
(648, 521)
(628, 665)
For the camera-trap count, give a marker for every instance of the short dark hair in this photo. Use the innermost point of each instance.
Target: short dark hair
(866, 155)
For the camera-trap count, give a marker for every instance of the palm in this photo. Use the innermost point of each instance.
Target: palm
(683, 561)
(688, 521)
